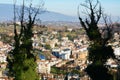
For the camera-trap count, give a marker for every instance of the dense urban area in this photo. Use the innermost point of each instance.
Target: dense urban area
(61, 51)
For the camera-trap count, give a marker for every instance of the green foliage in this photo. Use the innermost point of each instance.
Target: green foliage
(56, 45)
(59, 37)
(100, 53)
(71, 37)
(27, 72)
(94, 34)
(56, 70)
(47, 46)
(99, 50)
(22, 62)
(75, 72)
(98, 72)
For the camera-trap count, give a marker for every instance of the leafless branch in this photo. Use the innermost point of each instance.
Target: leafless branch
(81, 21)
(96, 5)
(15, 30)
(108, 28)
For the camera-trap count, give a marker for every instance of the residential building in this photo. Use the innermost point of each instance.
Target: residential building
(117, 52)
(43, 66)
(65, 54)
(56, 52)
(72, 76)
(62, 54)
(3, 58)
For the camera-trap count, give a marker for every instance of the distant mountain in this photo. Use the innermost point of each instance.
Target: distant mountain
(6, 14)
(53, 16)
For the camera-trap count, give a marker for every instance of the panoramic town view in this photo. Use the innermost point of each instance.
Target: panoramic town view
(59, 40)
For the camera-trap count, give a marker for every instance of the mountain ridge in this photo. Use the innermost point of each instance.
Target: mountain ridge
(6, 14)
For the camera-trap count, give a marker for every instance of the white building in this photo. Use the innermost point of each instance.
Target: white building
(65, 54)
(83, 48)
(117, 52)
(69, 29)
(43, 66)
(62, 54)
(111, 63)
(65, 38)
(116, 36)
(3, 58)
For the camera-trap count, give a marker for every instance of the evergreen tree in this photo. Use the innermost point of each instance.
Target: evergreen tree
(99, 50)
(21, 60)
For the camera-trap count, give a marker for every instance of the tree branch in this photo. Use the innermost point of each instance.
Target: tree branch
(82, 23)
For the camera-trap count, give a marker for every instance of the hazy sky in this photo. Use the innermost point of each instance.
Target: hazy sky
(69, 7)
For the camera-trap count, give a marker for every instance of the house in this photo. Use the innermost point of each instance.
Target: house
(43, 66)
(59, 77)
(5, 78)
(69, 29)
(56, 52)
(65, 38)
(72, 76)
(62, 54)
(54, 32)
(111, 63)
(53, 42)
(116, 36)
(1, 43)
(3, 58)
(117, 52)
(83, 55)
(65, 53)
(83, 48)
(3, 66)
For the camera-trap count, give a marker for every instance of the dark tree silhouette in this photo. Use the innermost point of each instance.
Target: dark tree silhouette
(99, 50)
(22, 62)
